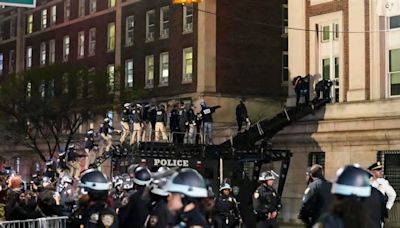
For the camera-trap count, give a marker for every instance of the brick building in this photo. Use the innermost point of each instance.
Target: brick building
(218, 51)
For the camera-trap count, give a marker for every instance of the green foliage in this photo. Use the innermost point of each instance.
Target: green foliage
(48, 105)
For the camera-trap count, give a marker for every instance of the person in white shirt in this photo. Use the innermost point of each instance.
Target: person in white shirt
(379, 182)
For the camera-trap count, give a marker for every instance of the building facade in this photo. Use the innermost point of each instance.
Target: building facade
(214, 51)
(356, 45)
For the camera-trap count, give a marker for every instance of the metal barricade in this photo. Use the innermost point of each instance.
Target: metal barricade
(47, 222)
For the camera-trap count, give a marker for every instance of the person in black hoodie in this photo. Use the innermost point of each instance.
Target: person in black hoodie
(241, 115)
(206, 114)
(177, 136)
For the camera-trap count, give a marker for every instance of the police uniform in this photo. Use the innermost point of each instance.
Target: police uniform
(226, 211)
(125, 120)
(192, 218)
(383, 185)
(105, 127)
(161, 120)
(89, 149)
(316, 201)
(136, 208)
(266, 200)
(137, 119)
(98, 215)
(159, 217)
(174, 126)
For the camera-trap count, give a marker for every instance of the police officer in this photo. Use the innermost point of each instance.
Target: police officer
(161, 121)
(351, 187)
(136, 206)
(62, 167)
(187, 187)
(50, 171)
(266, 201)
(191, 124)
(323, 87)
(67, 196)
(241, 115)
(378, 181)
(137, 119)
(90, 147)
(226, 208)
(93, 210)
(72, 161)
(317, 197)
(125, 120)
(183, 123)
(105, 129)
(159, 215)
(147, 126)
(206, 114)
(177, 136)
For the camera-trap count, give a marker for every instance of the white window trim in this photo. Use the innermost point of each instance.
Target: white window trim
(110, 37)
(388, 24)
(187, 27)
(164, 32)
(29, 27)
(131, 42)
(81, 8)
(53, 15)
(81, 45)
(150, 36)
(92, 42)
(148, 83)
(43, 54)
(285, 28)
(66, 47)
(92, 6)
(160, 83)
(28, 63)
(322, 33)
(388, 74)
(52, 51)
(43, 19)
(67, 9)
(127, 84)
(184, 74)
(111, 3)
(111, 75)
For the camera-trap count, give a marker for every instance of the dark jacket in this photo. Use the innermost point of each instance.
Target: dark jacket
(207, 112)
(265, 200)
(377, 205)
(136, 208)
(161, 116)
(316, 201)
(241, 111)
(174, 120)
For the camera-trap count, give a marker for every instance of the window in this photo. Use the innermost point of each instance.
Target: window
(394, 71)
(52, 51)
(111, 37)
(336, 31)
(81, 9)
(285, 66)
(11, 62)
(12, 27)
(92, 41)
(337, 67)
(164, 22)
(111, 77)
(81, 44)
(29, 27)
(29, 89)
(28, 57)
(129, 32)
(187, 65)
(149, 82)
(43, 24)
(326, 69)
(285, 21)
(42, 53)
(391, 167)
(326, 33)
(129, 73)
(150, 25)
(187, 18)
(92, 6)
(67, 9)
(65, 48)
(1, 63)
(164, 69)
(316, 158)
(111, 3)
(394, 22)
(42, 89)
(53, 15)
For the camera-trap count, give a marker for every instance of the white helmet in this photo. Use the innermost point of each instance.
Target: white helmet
(188, 182)
(157, 187)
(225, 186)
(127, 105)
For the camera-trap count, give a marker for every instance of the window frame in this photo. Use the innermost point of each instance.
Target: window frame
(389, 23)
(111, 77)
(28, 59)
(81, 8)
(43, 19)
(52, 51)
(111, 3)
(285, 20)
(162, 82)
(29, 26)
(1, 63)
(111, 37)
(53, 15)
(324, 32)
(185, 76)
(285, 68)
(66, 48)
(92, 42)
(129, 30)
(67, 10)
(129, 73)
(390, 72)
(149, 83)
(81, 45)
(164, 32)
(43, 54)
(150, 35)
(92, 6)
(187, 27)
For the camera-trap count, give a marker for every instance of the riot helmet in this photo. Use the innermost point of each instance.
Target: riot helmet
(106, 120)
(225, 186)
(187, 182)
(66, 179)
(266, 175)
(127, 183)
(131, 169)
(157, 187)
(350, 181)
(95, 184)
(127, 105)
(142, 176)
(90, 131)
